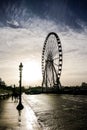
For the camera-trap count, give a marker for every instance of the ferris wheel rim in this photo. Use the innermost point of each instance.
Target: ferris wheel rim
(59, 54)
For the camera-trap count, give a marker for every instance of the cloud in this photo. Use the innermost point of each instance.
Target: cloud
(71, 51)
(18, 14)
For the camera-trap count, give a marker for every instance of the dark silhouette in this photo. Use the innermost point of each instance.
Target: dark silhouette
(20, 106)
(15, 94)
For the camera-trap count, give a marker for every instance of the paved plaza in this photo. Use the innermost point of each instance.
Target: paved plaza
(11, 119)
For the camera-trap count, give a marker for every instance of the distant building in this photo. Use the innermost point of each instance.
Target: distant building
(84, 85)
(2, 83)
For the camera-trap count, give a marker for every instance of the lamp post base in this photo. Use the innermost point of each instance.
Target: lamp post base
(20, 106)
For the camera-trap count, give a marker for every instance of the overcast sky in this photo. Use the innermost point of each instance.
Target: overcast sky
(24, 26)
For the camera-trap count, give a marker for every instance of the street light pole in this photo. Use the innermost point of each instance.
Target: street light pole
(20, 106)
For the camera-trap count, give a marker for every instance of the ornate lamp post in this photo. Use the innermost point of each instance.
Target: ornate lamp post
(20, 106)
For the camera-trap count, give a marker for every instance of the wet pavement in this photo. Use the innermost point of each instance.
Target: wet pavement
(59, 111)
(11, 119)
(45, 111)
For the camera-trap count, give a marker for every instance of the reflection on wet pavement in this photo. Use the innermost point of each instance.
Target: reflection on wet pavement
(60, 112)
(11, 119)
(45, 111)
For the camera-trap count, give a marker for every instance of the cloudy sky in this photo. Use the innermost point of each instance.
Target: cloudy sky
(24, 25)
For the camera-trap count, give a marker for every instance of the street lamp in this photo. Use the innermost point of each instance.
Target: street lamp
(20, 106)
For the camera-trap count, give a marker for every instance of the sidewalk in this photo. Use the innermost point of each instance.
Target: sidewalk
(11, 120)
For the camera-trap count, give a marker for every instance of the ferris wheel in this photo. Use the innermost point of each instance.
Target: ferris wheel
(52, 59)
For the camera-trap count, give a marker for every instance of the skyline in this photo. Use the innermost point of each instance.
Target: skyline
(23, 28)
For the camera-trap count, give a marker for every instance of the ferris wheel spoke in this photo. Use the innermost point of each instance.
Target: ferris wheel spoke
(56, 58)
(56, 64)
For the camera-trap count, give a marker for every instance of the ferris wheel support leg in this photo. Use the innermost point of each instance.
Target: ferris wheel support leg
(59, 85)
